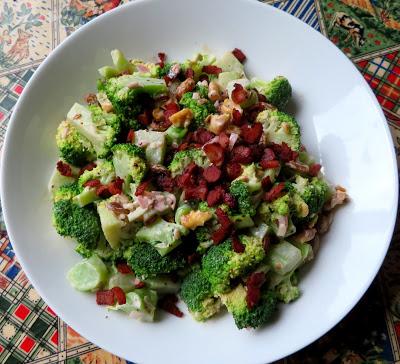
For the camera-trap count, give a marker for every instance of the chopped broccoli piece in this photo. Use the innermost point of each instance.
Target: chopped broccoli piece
(80, 223)
(284, 258)
(250, 178)
(57, 180)
(154, 144)
(129, 163)
(203, 236)
(184, 157)
(202, 90)
(278, 91)
(197, 64)
(121, 64)
(287, 289)
(221, 263)
(67, 192)
(163, 71)
(235, 302)
(200, 110)
(163, 284)
(241, 193)
(104, 171)
(314, 192)
(242, 221)
(175, 134)
(100, 128)
(196, 292)
(229, 63)
(280, 128)
(74, 148)
(147, 262)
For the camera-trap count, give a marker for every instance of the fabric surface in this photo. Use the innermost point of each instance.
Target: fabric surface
(30, 332)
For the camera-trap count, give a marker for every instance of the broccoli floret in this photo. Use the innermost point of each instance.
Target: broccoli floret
(314, 192)
(287, 289)
(280, 128)
(202, 90)
(278, 91)
(200, 110)
(163, 71)
(104, 171)
(235, 302)
(241, 193)
(196, 292)
(222, 263)
(147, 262)
(121, 64)
(129, 163)
(250, 178)
(123, 92)
(67, 192)
(203, 236)
(184, 157)
(74, 148)
(80, 223)
(100, 128)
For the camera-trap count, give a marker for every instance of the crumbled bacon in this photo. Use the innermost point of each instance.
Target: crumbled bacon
(64, 169)
(140, 285)
(257, 151)
(261, 97)
(237, 245)
(268, 155)
(130, 138)
(193, 258)
(229, 200)
(253, 284)
(145, 117)
(196, 193)
(214, 197)
(241, 57)
(105, 297)
(92, 183)
(88, 167)
(212, 70)
(215, 153)
(183, 146)
(314, 169)
(189, 73)
(170, 109)
(203, 77)
(239, 94)
(212, 174)
(115, 187)
(266, 243)
(223, 218)
(124, 268)
(237, 117)
(103, 191)
(233, 170)
(219, 235)
(266, 182)
(275, 192)
(284, 153)
(119, 295)
(251, 133)
(165, 182)
(201, 136)
(162, 57)
(168, 304)
(269, 164)
(142, 187)
(241, 154)
(223, 140)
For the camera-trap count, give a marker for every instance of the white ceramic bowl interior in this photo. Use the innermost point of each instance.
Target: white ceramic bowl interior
(342, 125)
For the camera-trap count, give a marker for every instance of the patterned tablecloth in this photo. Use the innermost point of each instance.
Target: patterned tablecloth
(367, 31)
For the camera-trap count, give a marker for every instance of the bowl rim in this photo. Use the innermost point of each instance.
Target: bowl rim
(72, 320)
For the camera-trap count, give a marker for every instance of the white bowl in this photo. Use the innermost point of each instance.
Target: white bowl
(342, 125)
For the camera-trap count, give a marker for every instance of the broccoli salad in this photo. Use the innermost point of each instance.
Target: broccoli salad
(188, 180)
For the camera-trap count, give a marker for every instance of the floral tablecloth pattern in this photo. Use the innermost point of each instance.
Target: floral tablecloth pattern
(367, 31)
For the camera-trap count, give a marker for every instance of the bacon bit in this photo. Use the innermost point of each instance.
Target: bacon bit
(202, 136)
(189, 73)
(115, 187)
(284, 152)
(170, 109)
(103, 191)
(241, 154)
(119, 295)
(223, 218)
(140, 284)
(223, 140)
(241, 57)
(196, 193)
(266, 182)
(268, 155)
(251, 133)
(168, 304)
(193, 258)
(214, 197)
(219, 235)
(215, 153)
(274, 192)
(162, 57)
(212, 174)
(233, 170)
(92, 183)
(203, 77)
(145, 117)
(237, 117)
(257, 151)
(105, 297)
(124, 268)
(88, 167)
(131, 136)
(165, 182)
(253, 284)
(314, 169)
(202, 182)
(183, 146)
(229, 200)
(239, 94)
(266, 243)
(64, 169)
(237, 245)
(212, 70)
(142, 188)
(261, 97)
(269, 164)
